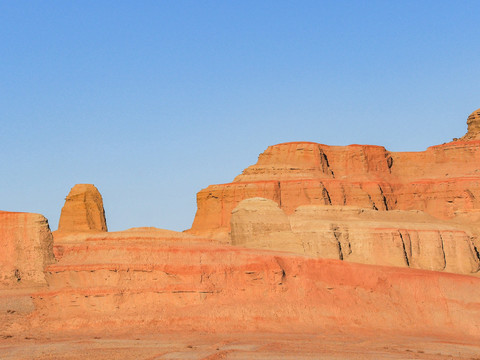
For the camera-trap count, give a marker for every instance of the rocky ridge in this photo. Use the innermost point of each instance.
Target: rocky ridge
(443, 181)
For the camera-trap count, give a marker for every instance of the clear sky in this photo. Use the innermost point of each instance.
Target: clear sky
(152, 101)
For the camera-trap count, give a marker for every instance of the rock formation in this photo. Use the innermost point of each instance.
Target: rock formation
(473, 123)
(260, 223)
(146, 281)
(442, 181)
(150, 279)
(293, 216)
(27, 248)
(393, 238)
(83, 210)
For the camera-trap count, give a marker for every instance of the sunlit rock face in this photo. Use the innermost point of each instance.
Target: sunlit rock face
(473, 123)
(26, 249)
(393, 238)
(442, 181)
(83, 210)
(313, 239)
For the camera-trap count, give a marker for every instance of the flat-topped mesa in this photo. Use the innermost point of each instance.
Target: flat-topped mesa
(83, 210)
(440, 181)
(473, 122)
(308, 160)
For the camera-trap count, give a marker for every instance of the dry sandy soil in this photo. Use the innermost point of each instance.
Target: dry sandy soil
(240, 346)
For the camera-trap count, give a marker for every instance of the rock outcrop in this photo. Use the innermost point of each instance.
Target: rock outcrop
(260, 223)
(83, 210)
(392, 238)
(473, 123)
(138, 286)
(294, 216)
(145, 280)
(27, 248)
(441, 181)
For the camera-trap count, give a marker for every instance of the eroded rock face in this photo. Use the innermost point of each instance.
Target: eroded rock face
(141, 281)
(473, 123)
(26, 249)
(440, 181)
(260, 223)
(83, 210)
(393, 238)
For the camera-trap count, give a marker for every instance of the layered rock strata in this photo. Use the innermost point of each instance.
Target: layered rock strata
(83, 210)
(146, 280)
(27, 248)
(441, 181)
(394, 238)
(260, 221)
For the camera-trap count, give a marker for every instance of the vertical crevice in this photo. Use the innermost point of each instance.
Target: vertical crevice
(325, 163)
(347, 239)
(404, 249)
(337, 234)
(326, 196)
(389, 163)
(384, 199)
(279, 194)
(443, 250)
(374, 207)
(344, 196)
(476, 253)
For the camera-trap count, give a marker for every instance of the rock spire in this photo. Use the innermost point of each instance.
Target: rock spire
(473, 123)
(83, 210)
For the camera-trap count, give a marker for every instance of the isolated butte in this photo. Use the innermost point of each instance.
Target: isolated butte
(83, 210)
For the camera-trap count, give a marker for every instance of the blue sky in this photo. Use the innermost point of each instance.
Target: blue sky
(152, 101)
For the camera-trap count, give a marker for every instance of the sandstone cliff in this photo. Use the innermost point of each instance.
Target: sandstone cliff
(144, 280)
(83, 210)
(442, 181)
(27, 248)
(394, 238)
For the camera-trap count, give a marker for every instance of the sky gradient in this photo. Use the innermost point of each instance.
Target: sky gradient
(152, 101)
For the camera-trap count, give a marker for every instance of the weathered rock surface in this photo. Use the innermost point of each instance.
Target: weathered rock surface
(128, 285)
(260, 223)
(473, 123)
(83, 210)
(26, 249)
(142, 281)
(393, 238)
(442, 181)
(319, 205)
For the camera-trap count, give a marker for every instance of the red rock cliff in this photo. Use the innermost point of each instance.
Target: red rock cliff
(441, 181)
(27, 248)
